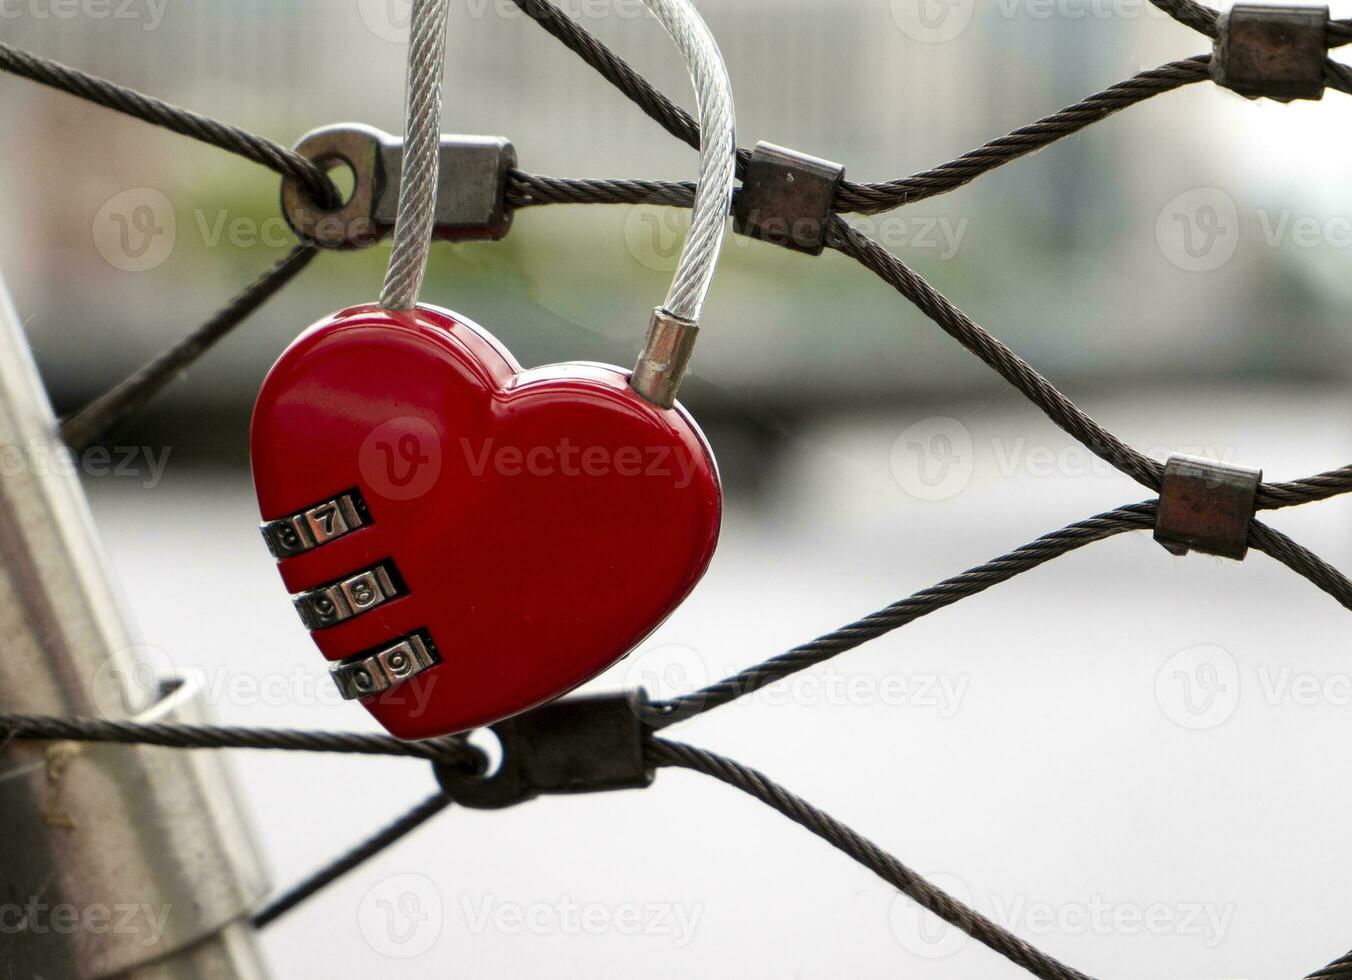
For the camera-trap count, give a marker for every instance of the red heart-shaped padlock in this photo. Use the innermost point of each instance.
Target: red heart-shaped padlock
(464, 538)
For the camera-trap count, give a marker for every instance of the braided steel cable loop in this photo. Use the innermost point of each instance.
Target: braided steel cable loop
(666, 352)
(419, 173)
(717, 156)
(713, 191)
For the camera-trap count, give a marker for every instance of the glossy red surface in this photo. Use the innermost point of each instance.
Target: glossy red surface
(543, 521)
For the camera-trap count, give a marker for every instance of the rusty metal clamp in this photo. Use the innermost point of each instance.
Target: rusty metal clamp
(786, 198)
(471, 190)
(1277, 52)
(1206, 505)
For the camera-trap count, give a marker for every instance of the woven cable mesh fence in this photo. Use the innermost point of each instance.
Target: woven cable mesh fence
(526, 190)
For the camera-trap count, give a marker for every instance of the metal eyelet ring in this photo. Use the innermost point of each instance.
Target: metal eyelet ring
(352, 225)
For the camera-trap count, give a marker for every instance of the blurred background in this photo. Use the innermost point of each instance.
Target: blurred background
(1133, 761)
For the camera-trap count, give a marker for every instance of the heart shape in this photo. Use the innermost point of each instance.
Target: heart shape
(478, 537)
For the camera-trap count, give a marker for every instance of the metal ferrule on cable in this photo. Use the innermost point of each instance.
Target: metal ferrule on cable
(671, 333)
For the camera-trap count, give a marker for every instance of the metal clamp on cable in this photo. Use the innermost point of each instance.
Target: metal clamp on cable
(586, 744)
(1268, 51)
(471, 187)
(1207, 506)
(786, 198)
